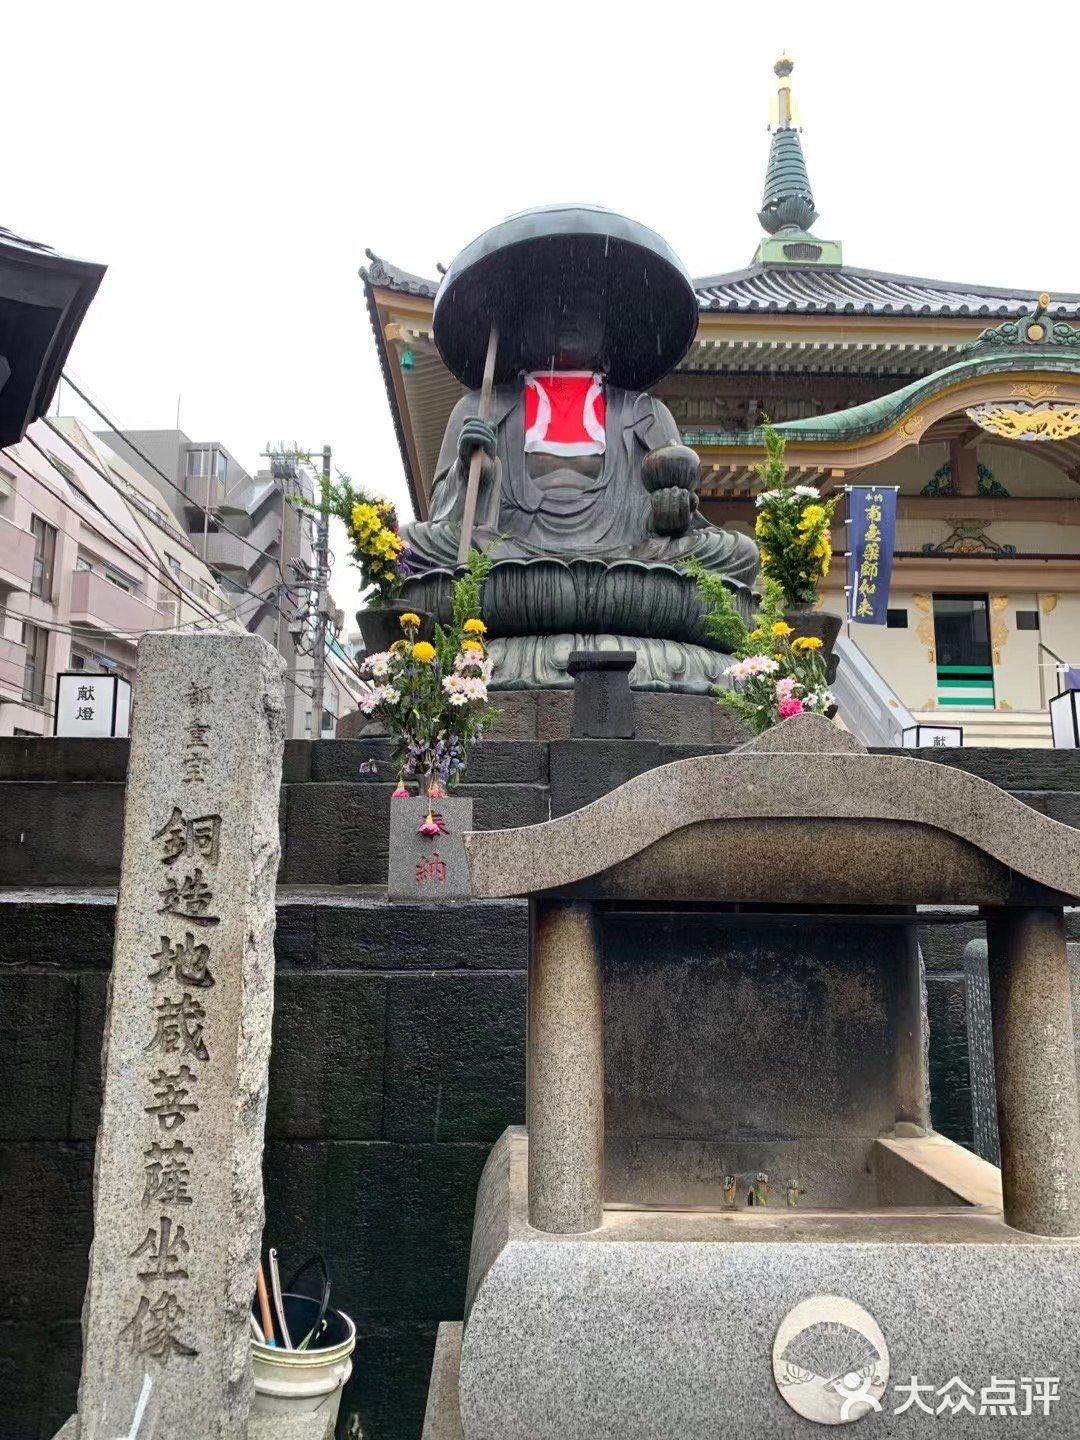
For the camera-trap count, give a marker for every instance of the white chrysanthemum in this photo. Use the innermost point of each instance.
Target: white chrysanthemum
(376, 664)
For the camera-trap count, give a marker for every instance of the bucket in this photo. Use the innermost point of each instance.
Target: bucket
(303, 1382)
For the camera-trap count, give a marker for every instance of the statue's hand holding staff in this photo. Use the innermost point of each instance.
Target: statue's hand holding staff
(476, 434)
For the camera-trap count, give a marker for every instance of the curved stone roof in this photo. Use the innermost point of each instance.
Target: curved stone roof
(875, 798)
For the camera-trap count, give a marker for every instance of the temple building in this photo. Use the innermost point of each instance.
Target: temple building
(965, 397)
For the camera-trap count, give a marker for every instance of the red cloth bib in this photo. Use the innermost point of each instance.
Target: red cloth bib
(565, 413)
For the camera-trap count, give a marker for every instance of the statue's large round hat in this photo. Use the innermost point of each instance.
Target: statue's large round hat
(528, 272)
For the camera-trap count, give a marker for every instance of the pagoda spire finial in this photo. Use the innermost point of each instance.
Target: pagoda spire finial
(788, 203)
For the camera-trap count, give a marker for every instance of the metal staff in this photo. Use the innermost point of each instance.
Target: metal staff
(472, 489)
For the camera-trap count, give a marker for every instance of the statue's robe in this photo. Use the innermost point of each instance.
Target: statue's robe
(607, 518)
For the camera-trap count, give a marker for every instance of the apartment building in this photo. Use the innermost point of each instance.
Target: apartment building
(80, 579)
(244, 529)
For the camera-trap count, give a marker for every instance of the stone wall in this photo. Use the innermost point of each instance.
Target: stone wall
(398, 1043)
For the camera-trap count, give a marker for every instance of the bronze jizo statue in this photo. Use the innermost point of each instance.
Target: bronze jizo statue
(580, 467)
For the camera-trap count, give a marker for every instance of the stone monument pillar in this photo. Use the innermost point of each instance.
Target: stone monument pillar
(565, 1071)
(1035, 1066)
(178, 1206)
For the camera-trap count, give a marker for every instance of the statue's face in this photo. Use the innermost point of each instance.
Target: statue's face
(564, 324)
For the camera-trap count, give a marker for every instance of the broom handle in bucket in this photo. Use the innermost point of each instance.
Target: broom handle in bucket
(472, 489)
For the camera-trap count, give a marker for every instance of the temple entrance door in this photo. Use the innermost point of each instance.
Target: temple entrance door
(965, 672)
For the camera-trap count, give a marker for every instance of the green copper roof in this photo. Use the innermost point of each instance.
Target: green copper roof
(875, 416)
(788, 202)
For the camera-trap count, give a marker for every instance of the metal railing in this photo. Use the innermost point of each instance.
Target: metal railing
(867, 704)
(1059, 665)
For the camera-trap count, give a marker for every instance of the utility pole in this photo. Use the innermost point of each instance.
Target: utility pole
(323, 612)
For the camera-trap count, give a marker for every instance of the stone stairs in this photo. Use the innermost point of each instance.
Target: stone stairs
(999, 729)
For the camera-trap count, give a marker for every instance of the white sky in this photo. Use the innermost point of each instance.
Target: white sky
(230, 163)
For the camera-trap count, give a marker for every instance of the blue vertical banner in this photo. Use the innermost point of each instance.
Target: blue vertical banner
(871, 540)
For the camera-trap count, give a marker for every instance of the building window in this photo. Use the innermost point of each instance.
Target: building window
(896, 619)
(1027, 620)
(120, 581)
(36, 640)
(44, 535)
(81, 563)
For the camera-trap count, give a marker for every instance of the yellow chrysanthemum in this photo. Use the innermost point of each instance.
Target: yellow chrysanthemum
(474, 627)
(757, 635)
(399, 645)
(806, 642)
(386, 544)
(781, 628)
(424, 652)
(811, 516)
(409, 621)
(365, 520)
(473, 645)
(760, 525)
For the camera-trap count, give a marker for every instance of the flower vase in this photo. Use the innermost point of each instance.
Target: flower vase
(806, 621)
(380, 625)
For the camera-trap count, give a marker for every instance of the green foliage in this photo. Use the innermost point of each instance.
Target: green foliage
(467, 595)
(792, 527)
(372, 525)
(722, 620)
(770, 613)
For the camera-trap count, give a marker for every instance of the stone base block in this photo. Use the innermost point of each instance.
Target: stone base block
(442, 1418)
(662, 1323)
(265, 1427)
(548, 714)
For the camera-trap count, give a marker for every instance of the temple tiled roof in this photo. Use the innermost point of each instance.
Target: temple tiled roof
(384, 276)
(809, 290)
(845, 290)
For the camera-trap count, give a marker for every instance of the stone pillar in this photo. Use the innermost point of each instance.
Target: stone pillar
(910, 1030)
(565, 1070)
(603, 701)
(178, 1204)
(1035, 1069)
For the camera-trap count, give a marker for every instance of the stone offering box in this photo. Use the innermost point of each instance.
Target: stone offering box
(725, 985)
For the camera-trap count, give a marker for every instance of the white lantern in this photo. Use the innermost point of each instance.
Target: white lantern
(933, 737)
(1065, 720)
(91, 705)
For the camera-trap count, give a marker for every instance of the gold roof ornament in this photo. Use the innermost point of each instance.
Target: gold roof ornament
(783, 113)
(1043, 420)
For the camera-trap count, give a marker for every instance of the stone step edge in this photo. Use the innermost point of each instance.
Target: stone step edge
(356, 897)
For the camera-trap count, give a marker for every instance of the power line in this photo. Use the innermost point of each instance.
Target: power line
(59, 628)
(158, 572)
(172, 484)
(157, 471)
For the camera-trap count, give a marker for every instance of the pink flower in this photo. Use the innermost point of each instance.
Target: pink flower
(401, 793)
(784, 687)
(432, 825)
(790, 706)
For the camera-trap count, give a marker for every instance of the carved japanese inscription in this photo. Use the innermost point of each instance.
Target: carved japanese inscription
(178, 1195)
